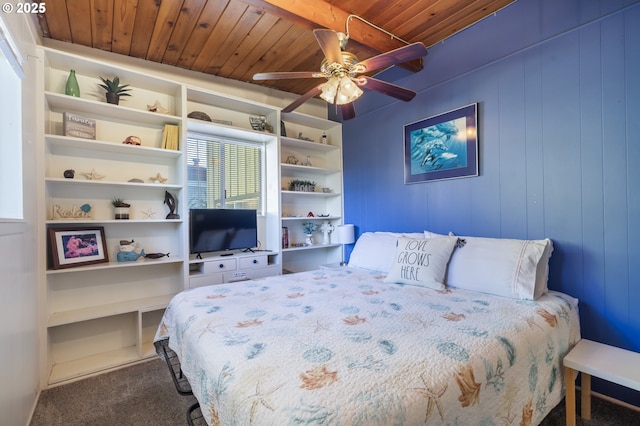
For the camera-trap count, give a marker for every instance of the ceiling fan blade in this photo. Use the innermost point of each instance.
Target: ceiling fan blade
(393, 57)
(287, 75)
(302, 99)
(330, 45)
(348, 111)
(386, 88)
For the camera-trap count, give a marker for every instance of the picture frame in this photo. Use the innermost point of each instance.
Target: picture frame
(444, 146)
(78, 246)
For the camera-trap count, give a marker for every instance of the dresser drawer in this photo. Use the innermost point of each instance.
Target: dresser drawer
(219, 265)
(249, 262)
(202, 279)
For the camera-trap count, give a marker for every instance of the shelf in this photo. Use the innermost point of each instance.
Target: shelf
(301, 218)
(60, 143)
(63, 181)
(114, 265)
(309, 121)
(92, 364)
(313, 247)
(229, 132)
(90, 107)
(94, 312)
(296, 168)
(310, 194)
(310, 145)
(229, 102)
(90, 222)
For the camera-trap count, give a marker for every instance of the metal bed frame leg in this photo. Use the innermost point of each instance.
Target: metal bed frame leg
(178, 382)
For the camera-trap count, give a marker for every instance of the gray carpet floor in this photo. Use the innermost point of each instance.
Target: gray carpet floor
(144, 394)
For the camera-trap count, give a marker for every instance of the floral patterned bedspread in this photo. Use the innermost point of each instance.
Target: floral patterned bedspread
(340, 347)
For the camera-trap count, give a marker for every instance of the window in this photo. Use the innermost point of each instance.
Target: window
(10, 128)
(224, 173)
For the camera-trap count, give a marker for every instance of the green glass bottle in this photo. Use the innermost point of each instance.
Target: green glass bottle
(72, 88)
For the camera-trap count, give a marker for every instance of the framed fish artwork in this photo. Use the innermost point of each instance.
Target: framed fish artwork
(444, 146)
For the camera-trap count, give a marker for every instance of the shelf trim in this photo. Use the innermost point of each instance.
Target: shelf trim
(95, 108)
(114, 147)
(114, 265)
(63, 181)
(310, 194)
(307, 169)
(313, 247)
(304, 144)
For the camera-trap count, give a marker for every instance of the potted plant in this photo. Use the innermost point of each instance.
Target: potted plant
(121, 208)
(114, 89)
(309, 228)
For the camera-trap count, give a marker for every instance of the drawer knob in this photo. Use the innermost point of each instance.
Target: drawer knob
(221, 265)
(255, 261)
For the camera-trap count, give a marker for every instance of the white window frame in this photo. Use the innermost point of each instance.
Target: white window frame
(11, 220)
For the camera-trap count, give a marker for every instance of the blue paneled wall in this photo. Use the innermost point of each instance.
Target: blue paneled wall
(557, 84)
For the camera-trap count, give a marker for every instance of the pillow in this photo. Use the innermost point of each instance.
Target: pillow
(505, 267)
(422, 262)
(429, 234)
(374, 250)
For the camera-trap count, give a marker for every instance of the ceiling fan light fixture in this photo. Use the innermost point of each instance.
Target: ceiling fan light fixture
(340, 90)
(348, 91)
(329, 89)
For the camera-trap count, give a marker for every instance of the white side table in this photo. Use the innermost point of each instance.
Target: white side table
(596, 359)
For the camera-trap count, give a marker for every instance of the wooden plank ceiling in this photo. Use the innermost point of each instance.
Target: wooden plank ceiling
(238, 38)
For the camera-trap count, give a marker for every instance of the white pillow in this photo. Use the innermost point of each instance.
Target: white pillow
(375, 250)
(505, 267)
(429, 234)
(422, 262)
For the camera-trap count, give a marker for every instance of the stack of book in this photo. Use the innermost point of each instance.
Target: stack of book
(171, 137)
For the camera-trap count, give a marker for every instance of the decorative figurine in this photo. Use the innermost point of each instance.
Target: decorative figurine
(157, 107)
(93, 175)
(158, 179)
(156, 255)
(292, 160)
(132, 140)
(148, 214)
(326, 229)
(170, 201)
(69, 174)
(130, 251)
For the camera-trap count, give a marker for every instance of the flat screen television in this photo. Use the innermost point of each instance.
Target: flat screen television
(215, 230)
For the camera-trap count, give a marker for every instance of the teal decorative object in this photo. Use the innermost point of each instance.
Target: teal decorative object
(72, 88)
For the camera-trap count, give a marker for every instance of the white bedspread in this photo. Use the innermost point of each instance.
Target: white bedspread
(341, 347)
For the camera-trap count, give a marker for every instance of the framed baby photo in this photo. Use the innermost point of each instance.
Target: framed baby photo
(80, 246)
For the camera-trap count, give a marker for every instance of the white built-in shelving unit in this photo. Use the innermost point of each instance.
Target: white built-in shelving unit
(316, 162)
(105, 315)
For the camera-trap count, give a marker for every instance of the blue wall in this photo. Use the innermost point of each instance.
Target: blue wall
(557, 84)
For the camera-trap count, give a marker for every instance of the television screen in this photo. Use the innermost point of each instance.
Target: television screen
(213, 230)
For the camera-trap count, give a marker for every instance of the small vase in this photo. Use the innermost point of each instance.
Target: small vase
(121, 213)
(113, 98)
(309, 240)
(72, 88)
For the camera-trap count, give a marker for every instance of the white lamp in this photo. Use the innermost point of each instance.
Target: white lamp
(346, 235)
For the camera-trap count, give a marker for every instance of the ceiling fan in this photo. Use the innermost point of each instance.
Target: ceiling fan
(344, 73)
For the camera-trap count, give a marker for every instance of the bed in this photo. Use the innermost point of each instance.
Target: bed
(356, 345)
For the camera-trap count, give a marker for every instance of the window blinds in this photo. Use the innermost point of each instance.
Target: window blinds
(224, 173)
